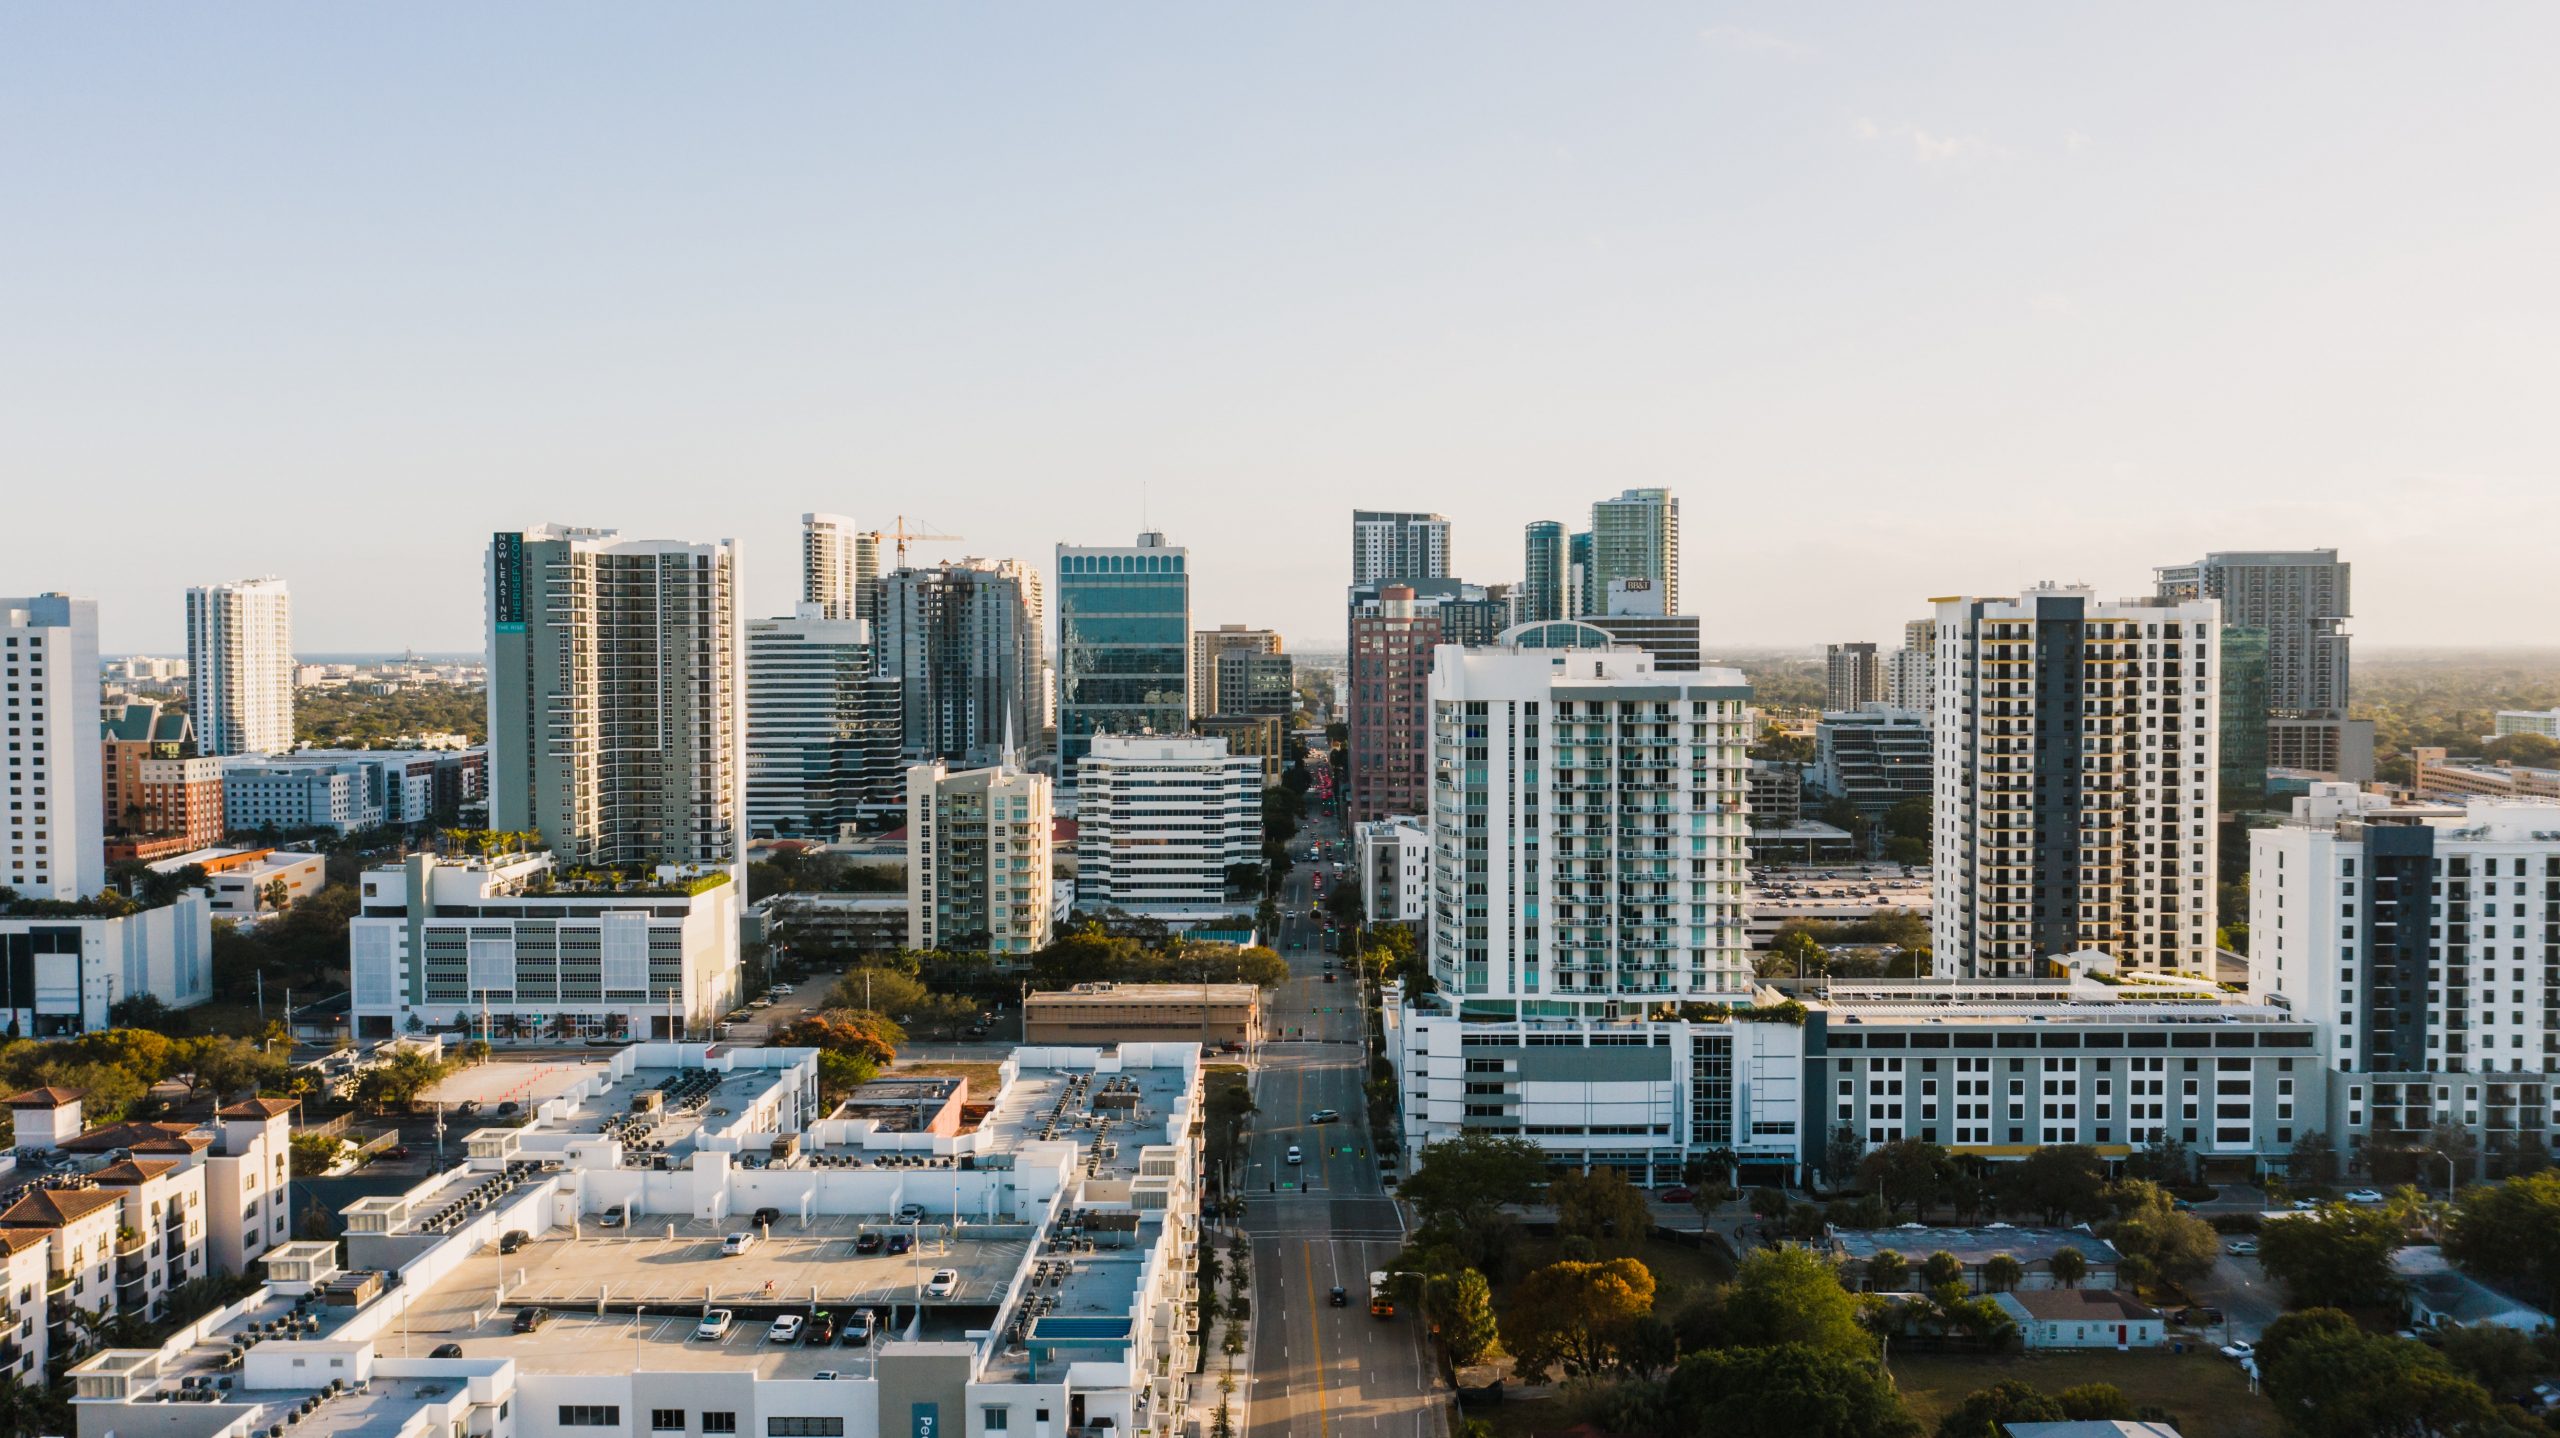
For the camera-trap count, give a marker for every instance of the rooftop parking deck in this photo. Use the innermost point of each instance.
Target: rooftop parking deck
(672, 1262)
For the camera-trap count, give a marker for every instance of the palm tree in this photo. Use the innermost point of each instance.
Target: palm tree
(2069, 1266)
(2003, 1272)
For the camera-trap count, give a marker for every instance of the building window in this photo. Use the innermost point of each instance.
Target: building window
(719, 1422)
(804, 1428)
(666, 1420)
(590, 1415)
(994, 1420)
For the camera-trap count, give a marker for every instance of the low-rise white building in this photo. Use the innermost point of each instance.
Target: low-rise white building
(1050, 1261)
(511, 941)
(1161, 822)
(2054, 1318)
(66, 975)
(1392, 857)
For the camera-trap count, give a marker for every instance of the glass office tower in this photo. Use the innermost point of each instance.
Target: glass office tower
(1124, 644)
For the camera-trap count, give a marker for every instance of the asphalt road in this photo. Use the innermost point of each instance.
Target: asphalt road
(1325, 1222)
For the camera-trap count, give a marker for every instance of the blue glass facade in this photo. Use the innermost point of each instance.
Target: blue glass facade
(1124, 645)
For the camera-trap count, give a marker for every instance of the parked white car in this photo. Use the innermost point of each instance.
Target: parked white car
(2364, 1195)
(714, 1325)
(785, 1329)
(943, 1283)
(736, 1244)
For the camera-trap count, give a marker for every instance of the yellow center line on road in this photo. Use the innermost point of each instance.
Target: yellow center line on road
(1315, 1334)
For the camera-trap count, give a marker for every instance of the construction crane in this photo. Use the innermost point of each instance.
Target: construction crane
(902, 534)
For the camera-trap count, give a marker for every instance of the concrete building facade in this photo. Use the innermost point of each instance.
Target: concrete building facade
(963, 642)
(1636, 536)
(825, 729)
(240, 666)
(2428, 948)
(514, 942)
(56, 845)
(1160, 821)
(1396, 546)
(1387, 703)
(1392, 857)
(1853, 674)
(617, 697)
(978, 860)
(1587, 829)
(2077, 760)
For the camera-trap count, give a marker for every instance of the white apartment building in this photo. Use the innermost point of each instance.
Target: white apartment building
(978, 858)
(135, 1210)
(2545, 722)
(64, 976)
(1392, 858)
(1991, 1069)
(240, 666)
(823, 728)
(2428, 947)
(1587, 830)
(54, 824)
(838, 565)
(514, 943)
(2076, 756)
(1160, 821)
(617, 697)
(1910, 674)
(1048, 1292)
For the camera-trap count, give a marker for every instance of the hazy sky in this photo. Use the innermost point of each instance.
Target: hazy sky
(1903, 300)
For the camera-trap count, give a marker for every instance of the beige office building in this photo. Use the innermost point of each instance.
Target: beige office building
(1208, 1014)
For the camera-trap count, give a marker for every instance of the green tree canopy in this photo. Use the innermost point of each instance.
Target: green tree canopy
(1789, 1295)
(2337, 1257)
(1988, 1412)
(1602, 1206)
(2510, 1232)
(1577, 1316)
(1790, 1390)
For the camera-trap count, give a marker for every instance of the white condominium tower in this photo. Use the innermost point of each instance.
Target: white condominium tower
(616, 696)
(1388, 545)
(1161, 821)
(2077, 745)
(54, 763)
(240, 666)
(1587, 832)
(978, 852)
(839, 565)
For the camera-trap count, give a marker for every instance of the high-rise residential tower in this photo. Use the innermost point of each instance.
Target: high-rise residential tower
(49, 655)
(1587, 822)
(1545, 572)
(2077, 762)
(963, 641)
(1853, 674)
(1637, 536)
(1124, 643)
(978, 878)
(1388, 703)
(617, 697)
(838, 565)
(1909, 676)
(825, 731)
(1582, 595)
(1388, 545)
(2302, 599)
(240, 666)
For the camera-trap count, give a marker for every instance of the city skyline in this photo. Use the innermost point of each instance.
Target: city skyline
(1861, 258)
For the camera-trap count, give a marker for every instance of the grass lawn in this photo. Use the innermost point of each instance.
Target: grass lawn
(2205, 1392)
